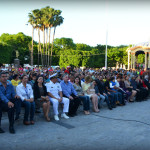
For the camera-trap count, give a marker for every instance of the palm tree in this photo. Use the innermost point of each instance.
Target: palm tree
(44, 19)
(37, 14)
(58, 20)
(43, 25)
(32, 22)
(49, 14)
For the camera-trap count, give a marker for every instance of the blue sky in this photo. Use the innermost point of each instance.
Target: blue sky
(85, 21)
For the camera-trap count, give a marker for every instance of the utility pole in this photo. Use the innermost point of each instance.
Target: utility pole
(32, 46)
(106, 33)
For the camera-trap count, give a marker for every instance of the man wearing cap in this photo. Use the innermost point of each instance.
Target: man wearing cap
(55, 95)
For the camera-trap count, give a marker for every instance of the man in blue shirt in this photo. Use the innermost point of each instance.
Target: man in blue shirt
(7, 95)
(69, 92)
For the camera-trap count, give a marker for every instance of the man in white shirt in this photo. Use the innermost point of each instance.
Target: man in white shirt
(25, 92)
(55, 95)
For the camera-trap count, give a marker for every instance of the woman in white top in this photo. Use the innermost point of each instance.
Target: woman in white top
(88, 89)
(25, 92)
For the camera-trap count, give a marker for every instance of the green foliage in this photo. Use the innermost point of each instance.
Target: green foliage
(70, 57)
(83, 47)
(56, 56)
(117, 54)
(64, 43)
(5, 53)
(17, 42)
(65, 52)
(86, 58)
(141, 58)
(98, 59)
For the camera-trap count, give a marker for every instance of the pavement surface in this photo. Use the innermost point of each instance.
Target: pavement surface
(123, 128)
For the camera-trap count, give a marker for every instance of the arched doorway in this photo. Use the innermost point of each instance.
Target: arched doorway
(134, 51)
(139, 59)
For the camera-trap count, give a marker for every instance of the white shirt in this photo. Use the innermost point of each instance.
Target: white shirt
(117, 83)
(54, 88)
(24, 93)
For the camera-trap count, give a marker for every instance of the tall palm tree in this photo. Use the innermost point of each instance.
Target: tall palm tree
(43, 25)
(51, 18)
(49, 14)
(43, 20)
(58, 20)
(32, 22)
(37, 14)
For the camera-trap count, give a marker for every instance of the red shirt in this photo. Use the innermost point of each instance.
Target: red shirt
(67, 71)
(20, 69)
(141, 73)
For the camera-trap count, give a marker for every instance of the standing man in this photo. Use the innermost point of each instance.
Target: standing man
(55, 95)
(7, 95)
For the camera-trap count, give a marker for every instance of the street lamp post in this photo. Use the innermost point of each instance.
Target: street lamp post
(106, 33)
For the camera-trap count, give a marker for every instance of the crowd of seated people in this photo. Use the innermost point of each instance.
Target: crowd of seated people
(44, 89)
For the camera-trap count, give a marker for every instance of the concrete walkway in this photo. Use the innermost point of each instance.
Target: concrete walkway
(123, 128)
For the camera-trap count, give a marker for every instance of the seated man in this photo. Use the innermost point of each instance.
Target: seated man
(7, 96)
(111, 94)
(99, 89)
(69, 92)
(55, 95)
(115, 88)
(25, 92)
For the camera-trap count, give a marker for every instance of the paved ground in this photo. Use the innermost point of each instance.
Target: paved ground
(129, 130)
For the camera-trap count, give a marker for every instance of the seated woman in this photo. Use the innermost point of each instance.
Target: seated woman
(144, 90)
(41, 96)
(130, 89)
(134, 84)
(85, 99)
(25, 92)
(122, 85)
(88, 89)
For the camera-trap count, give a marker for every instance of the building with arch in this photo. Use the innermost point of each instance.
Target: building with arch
(133, 52)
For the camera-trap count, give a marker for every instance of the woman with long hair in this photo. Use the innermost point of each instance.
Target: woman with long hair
(88, 89)
(82, 96)
(130, 89)
(41, 96)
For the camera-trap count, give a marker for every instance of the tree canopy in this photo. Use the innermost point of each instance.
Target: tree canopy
(65, 52)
